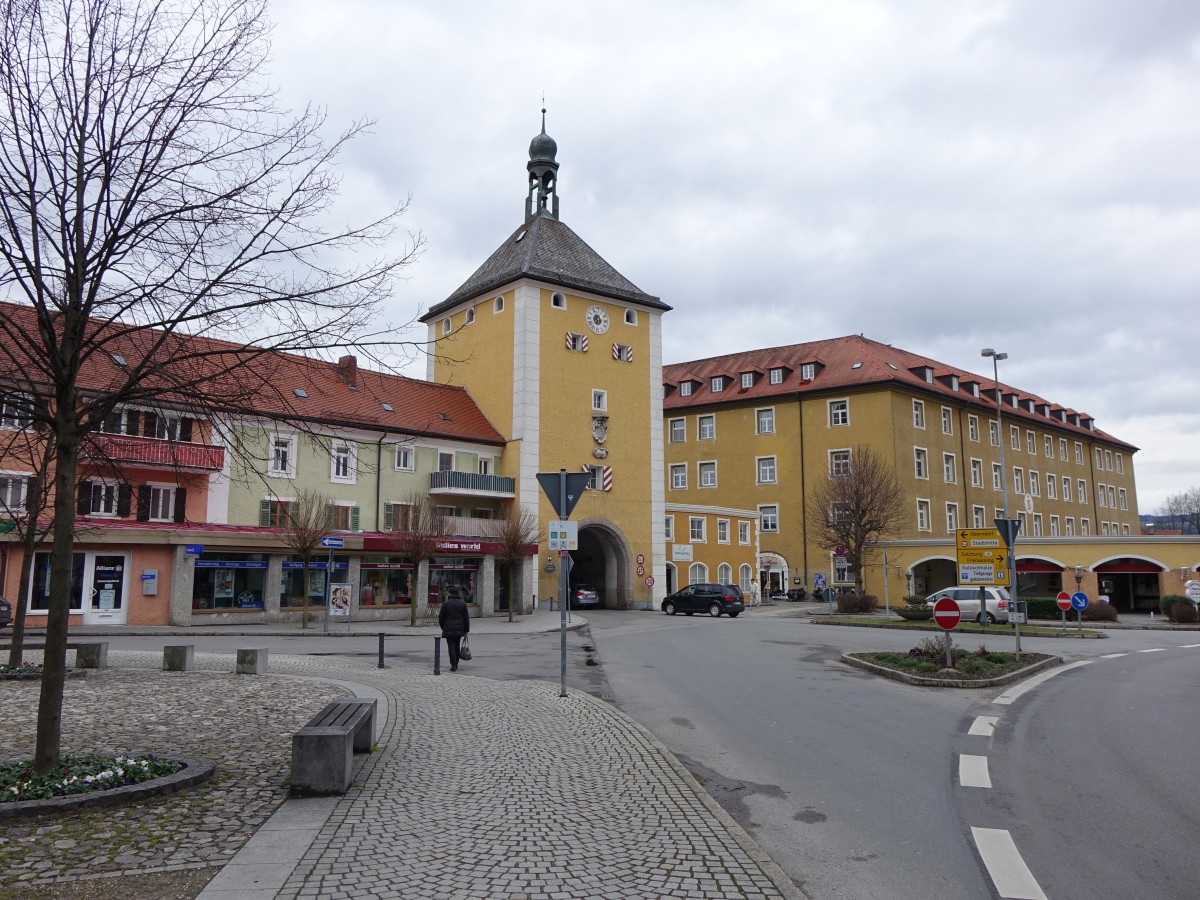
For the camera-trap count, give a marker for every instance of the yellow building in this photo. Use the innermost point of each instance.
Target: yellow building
(754, 430)
(564, 356)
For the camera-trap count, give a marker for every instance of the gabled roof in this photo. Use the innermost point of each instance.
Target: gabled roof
(547, 250)
(418, 408)
(850, 362)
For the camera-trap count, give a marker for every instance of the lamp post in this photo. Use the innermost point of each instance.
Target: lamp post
(1010, 528)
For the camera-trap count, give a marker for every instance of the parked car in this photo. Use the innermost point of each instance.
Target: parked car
(968, 602)
(5, 612)
(713, 599)
(583, 596)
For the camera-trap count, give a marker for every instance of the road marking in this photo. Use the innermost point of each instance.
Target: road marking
(1113, 655)
(973, 771)
(1013, 694)
(1190, 646)
(1153, 650)
(1010, 875)
(984, 725)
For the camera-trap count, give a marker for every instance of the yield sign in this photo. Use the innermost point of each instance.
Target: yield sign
(946, 614)
(1064, 601)
(564, 495)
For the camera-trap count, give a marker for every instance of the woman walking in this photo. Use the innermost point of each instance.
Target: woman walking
(455, 619)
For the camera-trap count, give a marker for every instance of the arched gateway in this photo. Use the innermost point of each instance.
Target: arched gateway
(605, 561)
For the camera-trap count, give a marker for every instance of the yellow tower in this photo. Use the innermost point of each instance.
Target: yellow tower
(564, 356)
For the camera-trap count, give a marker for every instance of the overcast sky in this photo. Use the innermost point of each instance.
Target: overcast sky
(942, 175)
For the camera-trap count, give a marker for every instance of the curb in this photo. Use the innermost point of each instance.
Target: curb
(992, 629)
(920, 681)
(193, 772)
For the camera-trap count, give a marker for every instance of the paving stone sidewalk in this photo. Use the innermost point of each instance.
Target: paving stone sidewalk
(477, 789)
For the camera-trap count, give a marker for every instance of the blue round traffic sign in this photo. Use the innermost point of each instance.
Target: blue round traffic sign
(1079, 600)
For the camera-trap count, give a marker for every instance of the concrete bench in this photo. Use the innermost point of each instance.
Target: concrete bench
(323, 750)
(88, 654)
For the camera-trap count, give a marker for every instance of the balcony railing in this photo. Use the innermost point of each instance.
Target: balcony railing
(466, 526)
(471, 483)
(125, 449)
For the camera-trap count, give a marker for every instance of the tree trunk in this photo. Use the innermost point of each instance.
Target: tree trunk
(49, 724)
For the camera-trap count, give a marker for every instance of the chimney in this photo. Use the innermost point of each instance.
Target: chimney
(347, 369)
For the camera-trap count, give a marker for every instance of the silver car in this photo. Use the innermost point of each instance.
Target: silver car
(967, 598)
(584, 596)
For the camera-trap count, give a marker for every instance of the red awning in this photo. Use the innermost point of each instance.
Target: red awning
(1130, 566)
(1035, 566)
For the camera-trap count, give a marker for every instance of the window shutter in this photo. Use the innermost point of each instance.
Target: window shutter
(264, 513)
(131, 421)
(180, 504)
(124, 499)
(389, 516)
(354, 518)
(149, 424)
(143, 503)
(185, 430)
(83, 502)
(330, 519)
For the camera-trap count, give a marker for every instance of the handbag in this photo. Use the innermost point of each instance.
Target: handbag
(464, 651)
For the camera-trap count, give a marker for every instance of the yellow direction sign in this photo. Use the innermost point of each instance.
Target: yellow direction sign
(982, 556)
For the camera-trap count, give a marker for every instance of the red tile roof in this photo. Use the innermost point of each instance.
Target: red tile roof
(846, 363)
(265, 382)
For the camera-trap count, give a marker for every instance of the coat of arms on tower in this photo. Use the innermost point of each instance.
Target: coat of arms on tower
(600, 429)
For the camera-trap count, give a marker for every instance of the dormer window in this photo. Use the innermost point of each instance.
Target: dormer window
(808, 371)
(954, 382)
(747, 379)
(776, 376)
(1029, 404)
(975, 389)
(685, 389)
(718, 384)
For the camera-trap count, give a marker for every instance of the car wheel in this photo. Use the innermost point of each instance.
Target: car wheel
(669, 608)
(734, 615)
(714, 610)
(991, 620)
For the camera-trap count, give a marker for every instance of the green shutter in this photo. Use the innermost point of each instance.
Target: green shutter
(354, 518)
(389, 516)
(264, 513)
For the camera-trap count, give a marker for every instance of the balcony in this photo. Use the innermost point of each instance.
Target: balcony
(472, 484)
(152, 453)
(467, 527)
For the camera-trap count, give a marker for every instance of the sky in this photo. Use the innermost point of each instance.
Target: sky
(941, 175)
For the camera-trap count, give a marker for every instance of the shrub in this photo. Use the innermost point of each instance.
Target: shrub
(856, 603)
(1100, 612)
(931, 648)
(1042, 607)
(1165, 603)
(1184, 613)
(915, 601)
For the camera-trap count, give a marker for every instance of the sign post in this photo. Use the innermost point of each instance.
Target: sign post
(563, 490)
(1064, 603)
(947, 615)
(329, 541)
(1079, 600)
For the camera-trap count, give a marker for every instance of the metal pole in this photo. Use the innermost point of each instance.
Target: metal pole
(886, 572)
(437, 653)
(562, 595)
(949, 652)
(328, 591)
(1012, 548)
(381, 650)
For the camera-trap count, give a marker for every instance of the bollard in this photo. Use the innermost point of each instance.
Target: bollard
(252, 661)
(92, 655)
(381, 650)
(437, 655)
(178, 657)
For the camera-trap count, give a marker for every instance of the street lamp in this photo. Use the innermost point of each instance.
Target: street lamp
(996, 357)
(1078, 577)
(1010, 527)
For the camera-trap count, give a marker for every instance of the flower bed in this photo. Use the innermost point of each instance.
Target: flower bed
(79, 775)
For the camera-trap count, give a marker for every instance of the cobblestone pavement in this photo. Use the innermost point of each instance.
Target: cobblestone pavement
(476, 789)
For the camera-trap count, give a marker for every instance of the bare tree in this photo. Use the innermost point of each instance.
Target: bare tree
(419, 528)
(856, 506)
(1183, 510)
(515, 535)
(307, 523)
(154, 202)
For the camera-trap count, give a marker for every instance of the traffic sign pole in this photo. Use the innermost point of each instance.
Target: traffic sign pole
(947, 615)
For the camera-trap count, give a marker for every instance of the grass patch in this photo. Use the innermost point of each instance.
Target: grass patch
(929, 659)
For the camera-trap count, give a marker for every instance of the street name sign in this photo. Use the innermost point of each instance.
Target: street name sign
(333, 542)
(947, 614)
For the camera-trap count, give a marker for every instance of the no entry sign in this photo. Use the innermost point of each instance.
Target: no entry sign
(946, 613)
(1064, 601)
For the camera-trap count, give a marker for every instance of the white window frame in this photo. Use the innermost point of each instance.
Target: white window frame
(768, 518)
(676, 431)
(923, 523)
(1035, 483)
(706, 473)
(840, 462)
(709, 420)
(1030, 443)
(470, 316)
(808, 371)
(446, 326)
(994, 432)
(743, 532)
(599, 400)
(558, 300)
(347, 452)
(1054, 526)
(716, 384)
(977, 514)
(764, 420)
(747, 379)
(669, 528)
(839, 412)
(1066, 489)
(105, 498)
(951, 518)
(1037, 524)
(1062, 449)
(919, 414)
(1078, 453)
(679, 476)
(685, 389)
(1123, 498)
(498, 304)
(14, 492)
(1085, 526)
(697, 530)
(947, 420)
(286, 442)
(1018, 480)
(1048, 446)
(973, 428)
(1108, 461)
(1099, 458)
(775, 376)
(920, 463)
(1120, 464)
(16, 411)
(1083, 490)
(445, 461)
(1069, 526)
(722, 531)
(1014, 437)
(976, 472)
(765, 470)
(697, 573)
(405, 458)
(1051, 486)
(997, 477)
(949, 468)
(164, 492)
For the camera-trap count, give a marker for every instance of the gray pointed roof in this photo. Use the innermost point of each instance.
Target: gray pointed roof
(547, 250)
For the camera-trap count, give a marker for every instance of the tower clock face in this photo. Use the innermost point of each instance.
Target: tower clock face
(597, 319)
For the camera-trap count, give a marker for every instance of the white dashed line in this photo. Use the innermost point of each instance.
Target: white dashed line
(1010, 875)
(1153, 650)
(1190, 646)
(1113, 655)
(984, 726)
(973, 771)
(1013, 694)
